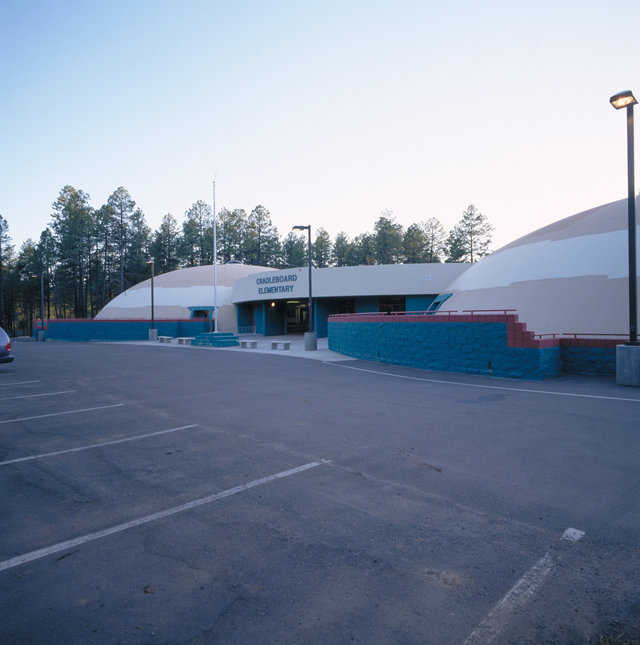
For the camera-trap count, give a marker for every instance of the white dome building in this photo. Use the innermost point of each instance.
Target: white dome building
(568, 277)
(181, 294)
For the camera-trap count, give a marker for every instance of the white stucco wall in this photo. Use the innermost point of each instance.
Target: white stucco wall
(339, 282)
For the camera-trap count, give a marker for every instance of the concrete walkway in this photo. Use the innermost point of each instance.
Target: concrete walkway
(264, 347)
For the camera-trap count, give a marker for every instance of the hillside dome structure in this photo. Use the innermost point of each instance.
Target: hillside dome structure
(181, 294)
(568, 277)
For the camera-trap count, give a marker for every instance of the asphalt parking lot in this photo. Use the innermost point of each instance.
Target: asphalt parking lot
(200, 496)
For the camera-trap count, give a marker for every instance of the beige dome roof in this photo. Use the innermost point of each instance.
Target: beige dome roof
(570, 276)
(176, 291)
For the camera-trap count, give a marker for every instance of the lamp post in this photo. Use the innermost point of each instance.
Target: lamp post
(310, 338)
(215, 255)
(153, 332)
(619, 101)
(35, 275)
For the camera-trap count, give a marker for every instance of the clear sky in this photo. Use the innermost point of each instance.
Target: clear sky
(325, 112)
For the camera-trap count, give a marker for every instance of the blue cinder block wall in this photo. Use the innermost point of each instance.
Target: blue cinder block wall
(114, 330)
(587, 360)
(473, 347)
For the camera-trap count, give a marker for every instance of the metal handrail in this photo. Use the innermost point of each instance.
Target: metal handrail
(575, 334)
(475, 311)
(396, 313)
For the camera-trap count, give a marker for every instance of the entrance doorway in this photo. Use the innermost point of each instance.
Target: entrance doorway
(297, 320)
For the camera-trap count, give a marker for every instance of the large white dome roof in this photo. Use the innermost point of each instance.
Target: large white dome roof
(176, 291)
(570, 276)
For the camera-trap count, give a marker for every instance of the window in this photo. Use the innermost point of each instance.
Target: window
(387, 304)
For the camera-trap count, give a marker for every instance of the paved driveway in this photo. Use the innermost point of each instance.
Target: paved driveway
(200, 496)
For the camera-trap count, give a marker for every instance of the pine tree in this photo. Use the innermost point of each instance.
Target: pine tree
(321, 249)
(470, 238)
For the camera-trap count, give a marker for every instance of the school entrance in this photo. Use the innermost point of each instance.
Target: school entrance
(297, 317)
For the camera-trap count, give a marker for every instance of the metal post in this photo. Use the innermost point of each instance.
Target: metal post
(215, 254)
(633, 305)
(42, 298)
(310, 293)
(153, 316)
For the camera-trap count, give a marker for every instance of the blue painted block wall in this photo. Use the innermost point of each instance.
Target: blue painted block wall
(477, 348)
(599, 361)
(115, 330)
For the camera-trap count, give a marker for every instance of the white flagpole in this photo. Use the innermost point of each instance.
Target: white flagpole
(215, 255)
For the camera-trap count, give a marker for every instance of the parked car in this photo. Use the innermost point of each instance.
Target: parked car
(5, 347)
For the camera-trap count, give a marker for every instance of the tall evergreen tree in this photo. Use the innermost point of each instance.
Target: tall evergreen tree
(261, 245)
(46, 250)
(340, 250)
(122, 205)
(414, 244)
(73, 229)
(362, 250)
(470, 238)
(434, 239)
(388, 239)
(197, 223)
(294, 250)
(231, 230)
(164, 248)
(137, 251)
(321, 249)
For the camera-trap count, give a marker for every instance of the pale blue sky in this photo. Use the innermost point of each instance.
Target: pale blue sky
(324, 112)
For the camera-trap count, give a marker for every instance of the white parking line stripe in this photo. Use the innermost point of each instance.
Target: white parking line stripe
(488, 630)
(58, 414)
(95, 445)
(20, 383)
(69, 544)
(35, 396)
(486, 387)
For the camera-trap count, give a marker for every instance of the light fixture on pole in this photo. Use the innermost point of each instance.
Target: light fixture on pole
(153, 333)
(619, 101)
(42, 327)
(215, 255)
(310, 338)
(628, 355)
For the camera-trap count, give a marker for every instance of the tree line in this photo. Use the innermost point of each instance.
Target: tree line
(86, 256)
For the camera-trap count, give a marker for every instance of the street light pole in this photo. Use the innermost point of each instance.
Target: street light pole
(35, 275)
(152, 332)
(633, 305)
(310, 338)
(215, 254)
(620, 100)
(42, 299)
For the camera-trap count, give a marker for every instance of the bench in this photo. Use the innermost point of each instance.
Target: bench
(185, 340)
(249, 344)
(280, 345)
(165, 339)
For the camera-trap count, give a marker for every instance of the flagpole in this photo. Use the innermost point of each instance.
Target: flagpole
(215, 254)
